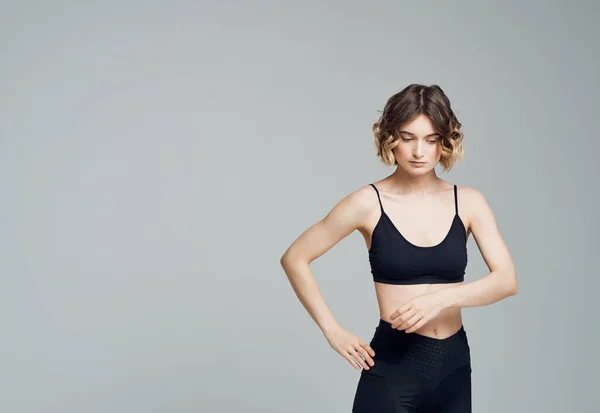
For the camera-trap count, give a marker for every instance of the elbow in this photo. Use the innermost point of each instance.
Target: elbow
(285, 257)
(513, 285)
(289, 260)
(284, 260)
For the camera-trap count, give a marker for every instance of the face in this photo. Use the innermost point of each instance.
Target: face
(418, 149)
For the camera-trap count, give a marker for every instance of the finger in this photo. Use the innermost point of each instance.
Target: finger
(365, 355)
(358, 358)
(403, 318)
(348, 357)
(404, 307)
(417, 326)
(357, 361)
(411, 321)
(368, 348)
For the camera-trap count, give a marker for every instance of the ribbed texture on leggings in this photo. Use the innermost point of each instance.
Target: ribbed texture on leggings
(438, 357)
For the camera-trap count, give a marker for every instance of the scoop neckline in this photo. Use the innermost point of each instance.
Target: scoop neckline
(425, 247)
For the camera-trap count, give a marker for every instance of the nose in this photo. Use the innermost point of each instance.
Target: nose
(418, 150)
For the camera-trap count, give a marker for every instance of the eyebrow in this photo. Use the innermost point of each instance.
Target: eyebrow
(427, 136)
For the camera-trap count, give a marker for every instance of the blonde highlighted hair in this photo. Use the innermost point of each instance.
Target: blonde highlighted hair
(409, 103)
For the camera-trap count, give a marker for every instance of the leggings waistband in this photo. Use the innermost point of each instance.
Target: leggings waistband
(386, 327)
(397, 345)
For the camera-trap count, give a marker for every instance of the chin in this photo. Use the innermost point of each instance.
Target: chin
(417, 170)
(420, 171)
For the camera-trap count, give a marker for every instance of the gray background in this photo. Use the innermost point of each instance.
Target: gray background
(157, 158)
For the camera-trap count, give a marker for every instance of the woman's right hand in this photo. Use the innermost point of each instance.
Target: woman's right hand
(351, 348)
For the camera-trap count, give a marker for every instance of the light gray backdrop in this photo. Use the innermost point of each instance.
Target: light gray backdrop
(156, 159)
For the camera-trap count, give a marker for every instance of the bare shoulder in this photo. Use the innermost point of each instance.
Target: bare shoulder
(350, 213)
(483, 226)
(470, 195)
(473, 204)
(359, 205)
(364, 198)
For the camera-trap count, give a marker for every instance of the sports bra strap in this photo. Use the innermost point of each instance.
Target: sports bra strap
(455, 200)
(378, 197)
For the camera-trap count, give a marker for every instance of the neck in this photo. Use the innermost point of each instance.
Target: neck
(415, 184)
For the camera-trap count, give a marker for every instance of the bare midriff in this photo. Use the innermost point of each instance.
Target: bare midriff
(390, 297)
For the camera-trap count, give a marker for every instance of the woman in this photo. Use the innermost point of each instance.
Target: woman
(415, 227)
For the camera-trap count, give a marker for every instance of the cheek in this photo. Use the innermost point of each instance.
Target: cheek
(402, 151)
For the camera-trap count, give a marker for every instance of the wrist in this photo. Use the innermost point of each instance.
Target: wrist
(328, 328)
(447, 297)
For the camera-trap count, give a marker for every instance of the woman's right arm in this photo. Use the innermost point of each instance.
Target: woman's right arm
(347, 215)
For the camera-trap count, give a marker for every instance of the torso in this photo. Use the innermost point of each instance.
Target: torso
(390, 297)
(430, 219)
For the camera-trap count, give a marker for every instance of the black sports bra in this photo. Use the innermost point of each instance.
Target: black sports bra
(395, 260)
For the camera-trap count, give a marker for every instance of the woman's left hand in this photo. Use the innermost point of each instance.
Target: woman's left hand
(416, 312)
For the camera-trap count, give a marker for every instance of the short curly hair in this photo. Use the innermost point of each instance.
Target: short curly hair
(406, 105)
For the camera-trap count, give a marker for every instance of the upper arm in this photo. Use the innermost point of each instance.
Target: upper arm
(486, 233)
(346, 216)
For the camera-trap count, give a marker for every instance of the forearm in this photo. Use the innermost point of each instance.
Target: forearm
(307, 291)
(486, 290)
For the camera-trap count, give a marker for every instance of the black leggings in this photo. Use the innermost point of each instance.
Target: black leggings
(415, 373)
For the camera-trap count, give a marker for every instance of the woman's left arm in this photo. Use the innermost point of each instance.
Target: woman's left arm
(501, 282)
